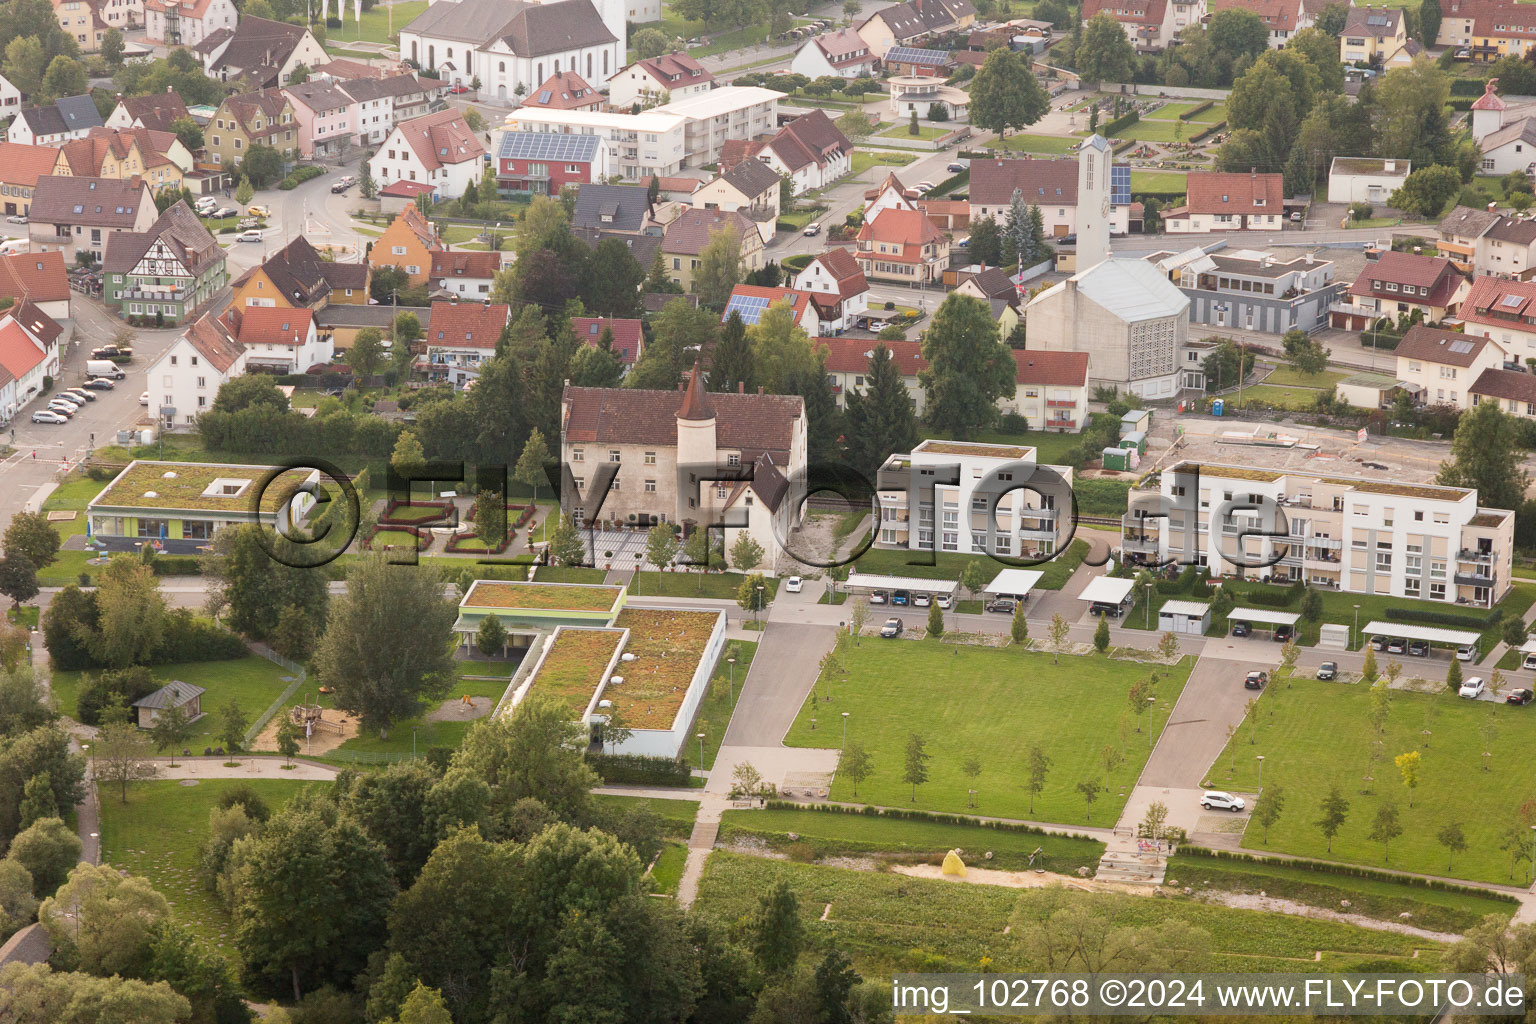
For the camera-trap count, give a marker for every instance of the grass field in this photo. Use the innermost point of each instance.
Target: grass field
(864, 159)
(720, 701)
(676, 815)
(902, 131)
(159, 835)
(1287, 377)
(667, 872)
(376, 24)
(949, 565)
(1035, 144)
(719, 585)
(1171, 111)
(944, 692)
(1299, 399)
(1151, 130)
(1211, 116)
(831, 833)
(1158, 181)
(888, 922)
(1316, 735)
(72, 495)
(1050, 446)
(418, 734)
(252, 681)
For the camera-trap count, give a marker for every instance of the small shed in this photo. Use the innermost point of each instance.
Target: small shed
(1136, 420)
(1136, 440)
(174, 694)
(1184, 617)
(1371, 390)
(1118, 459)
(1334, 635)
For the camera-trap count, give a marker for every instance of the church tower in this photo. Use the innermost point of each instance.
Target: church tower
(1094, 157)
(695, 439)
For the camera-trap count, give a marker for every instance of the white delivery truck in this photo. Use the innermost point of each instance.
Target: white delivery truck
(104, 368)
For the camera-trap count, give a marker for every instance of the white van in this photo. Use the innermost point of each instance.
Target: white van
(205, 205)
(104, 368)
(252, 235)
(14, 245)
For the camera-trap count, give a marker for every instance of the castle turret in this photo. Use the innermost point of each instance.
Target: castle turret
(695, 436)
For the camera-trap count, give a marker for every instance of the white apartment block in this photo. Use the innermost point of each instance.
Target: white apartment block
(972, 499)
(650, 143)
(1408, 540)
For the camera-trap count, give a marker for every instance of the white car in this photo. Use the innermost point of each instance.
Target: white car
(1473, 688)
(67, 398)
(812, 230)
(943, 601)
(62, 408)
(17, 218)
(1464, 652)
(253, 235)
(924, 187)
(793, 584)
(1217, 800)
(48, 416)
(144, 398)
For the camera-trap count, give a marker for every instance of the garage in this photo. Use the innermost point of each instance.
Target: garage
(1012, 584)
(1193, 617)
(1109, 595)
(1435, 637)
(870, 585)
(1262, 618)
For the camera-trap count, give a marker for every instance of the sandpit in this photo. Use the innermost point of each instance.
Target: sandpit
(1012, 879)
(337, 728)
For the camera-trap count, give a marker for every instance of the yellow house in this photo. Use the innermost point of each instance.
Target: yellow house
(159, 158)
(687, 236)
(82, 22)
(408, 243)
(295, 277)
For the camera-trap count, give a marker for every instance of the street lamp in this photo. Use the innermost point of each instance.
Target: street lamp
(1151, 719)
(701, 750)
(1261, 774)
(758, 604)
(841, 643)
(845, 731)
(1149, 606)
(1357, 624)
(732, 662)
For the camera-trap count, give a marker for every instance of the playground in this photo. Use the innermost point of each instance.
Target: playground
(321, 729)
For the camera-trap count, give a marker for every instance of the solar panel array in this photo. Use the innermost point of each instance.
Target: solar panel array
(914, 55)
(750, 307)
(1512, 300)
(555, 146)
(1461, 347)
(1120, 185)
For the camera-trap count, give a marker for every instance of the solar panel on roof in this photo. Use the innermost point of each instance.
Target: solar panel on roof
(553, 146)
(1120, 185)
(749, 307)
(544, 95)
(1512, 300)
(1461, 347)
(915, 55)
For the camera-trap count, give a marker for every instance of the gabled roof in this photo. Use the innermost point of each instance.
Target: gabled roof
(1277, 15)
(468, 21)
(345, 275)
(1372, 21)
(1039, 181)
(1409, 269)
(21, 164)
(917, 56)
(1147, 14)
(753, 423)
(1227, 193)
(267, 104)
(319, 94)
(673, 70)
(157, 110)
(441, 139)
(1468, 222)
(179, 228)
(467, 324)
(18, 353)
(93, 202)
(564, 90)
(752, 178)
(1514, 230)
(172, 695)
(273, 325)
(365, 90)
(258, 43)
(468, 263)
(751, 301)
(611, 207)
(852, 355)
(210, 336)
(1498, 302)
(919, 17)
(37, 323)
(809, 138)
(839, 264)
(540, 30)
(1051, 369)
(844, 48)
(86, 156)
(1431, 345)
(911, 229)
(689, 233)
(993, 283)
(1523, 130)
(297, 271)
(626, 334)
(1507, 385)
(66, 114)
(39, 276)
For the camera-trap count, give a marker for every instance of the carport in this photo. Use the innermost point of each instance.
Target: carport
(1111, 590)
(1014, 584)
(1263, 617)
(1430, 634)
(1184, 617)
(868, 583)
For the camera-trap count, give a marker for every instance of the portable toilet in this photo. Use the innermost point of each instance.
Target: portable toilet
(1217, 405)
(1117, 459)
(1136, 441)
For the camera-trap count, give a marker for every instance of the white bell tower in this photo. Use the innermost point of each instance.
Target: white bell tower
(1094, 157)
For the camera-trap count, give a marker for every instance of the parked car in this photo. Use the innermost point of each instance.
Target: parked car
(1327, 671)
(79, 393)
(1284, 634)
(112, 352)
(99, 384)
(1529, 662)
(1296, 217)
(891, 628)
(955, 168)
(944, 601)
(63, 409)
(1418, 648)
(812, 229)
(48, 416)
(1104, 608)
(258, 211)
(340, 186)
(1255, 680)
(144, 398)
(1240, 629)
(901, 597)
(1397, 645)
(69, 399)
(1472, 687)
(1519, 697)
(921, 600)
(459, 89)
(252, 235)
(879, 597)
(1216, 800)
(793, 585)
(924, 187)
(1378, 643)
(16, 218)
(1004, 605)
(1464, 652)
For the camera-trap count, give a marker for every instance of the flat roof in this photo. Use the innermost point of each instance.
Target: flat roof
(872, 581)
(1107, 589)
(976, 449)
(573, 663)
(1268, 616)
(720, 100)
(1014, 581)
(571, 597)
(1195, 609)
(201, 487)
(667, 644)
(1459, 637)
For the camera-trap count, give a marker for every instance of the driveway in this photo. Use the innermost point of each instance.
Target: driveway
(1196, 732)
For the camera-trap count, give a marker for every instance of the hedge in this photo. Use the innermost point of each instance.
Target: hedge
(1207, 133)
(1280, 599)
(797, 262)
(1197, 110)
(639, 769)
(176, 565)
(952, 182)
(264, 431)
(1114, 127)
(299, 176)
(1346, 871)
(1427, 615)
(902, 814)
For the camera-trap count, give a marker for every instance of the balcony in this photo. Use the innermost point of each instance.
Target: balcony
(1478, 556)
(1061, 403)
(1130, 543)
(1476, 579)
(1029, 534)
(1049, 515)
(156, 294)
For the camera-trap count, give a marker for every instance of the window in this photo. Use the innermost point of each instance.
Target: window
(650, 487)
(733, 459)
(650, 458)
(173, 360)
(951, 541)
(613, 455)
(202, 382)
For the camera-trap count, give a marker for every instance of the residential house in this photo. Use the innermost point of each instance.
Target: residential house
(1374, 35)
(686, 237)
(261, 53)
(564, 90)
(68, 117)
(77, 214)
(648, 435)
(1399, 284)
(29, 352)
(1511, 148)
(158, 157)
(1513, 391)
(386, 101)
(1283, 18)
(262, 118)
(751, 188)
(1052, 185)
(1485, 30)
(902, 246)
(1355, 179)
(186, 377)
(750, 302)
(38, 277)
(513, 47)
(82, 21)
(187, 22)
(156, 111)
(20, 167)
(661, 154)
(842, 53)
(1440, 367)
(279, 340)
(296, 277)
(439, 149)
(657, 80)
(462, 335)
(1253, 291)
(997, 290)
(628, 337)
(1488, 243)
(9, 404)
(916, 62)
(171, 272)
(908, 23)
(1504, 311)
(1222, 201)
(326, 115)
(714, 118)
(810, 150)
(122, 15)
(1150, 25)
(622, 209)
(542, 163)
(408, 243)
(1051, 390)
(891, 194)
(463, 274)
(848, 367)
(837, 287)
(10, 97)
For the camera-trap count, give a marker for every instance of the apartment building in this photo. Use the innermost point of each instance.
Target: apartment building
(1486, 242)
(1422, 541)
(1150, 25)
(1253, 290)
(1376, 35)
(1504, 311)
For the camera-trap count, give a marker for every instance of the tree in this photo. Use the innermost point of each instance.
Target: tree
(857, 618)
(1368, 670)
(112, 47)
(1090, 789)
(752, 594)
(1408, 765)
(1410, 114)
(263, 165)
(32, 535)
(172, 728)
(258, 574)
(102, 922)
(367, 187)
(1271, 804)
(565, 546)
(244, 192)
(1486, 453)
(130, 613)
(661, 545)
(935, 621)
(1018, 628)
(730, 359)
(969, 368)
(615, 280)
(366, 354)
(648, 43)
(1039, 767)
(250, 391)
(880, 419)
(1005, 94)
(915, 772)
(974, 577)
(530, 468)
(1168, 646)
(121, 754)
(232, 725)
(1058, 633)
(1427, 190)
(188, 132)
(1385, 827)
(1104, 54)
(781, 349)
(1304, 354)
(48, 849)
(746, 553)
(719, 269)
(288, 739)
(491, 637)
(777, 934)
(1335, 811)
(408, 455)
(491, 518)
(35, 993)
(24, 64)
(855, 763)
(1101, 635)
(18, 578)
(986, 241)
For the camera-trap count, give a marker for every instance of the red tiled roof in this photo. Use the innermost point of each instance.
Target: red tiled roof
(1406, 269)
(18, 353)
(626, 334)
(1277, 15)
(1435, 346)
(39, 324)
(467, 324)
(440, 139)
(1040, 181)
(270, 325)
(851, 355)
(1500, 303)
(840, 265)
(403, 189)
(911, 229)
(844, 48)
(1052, 369)
(675, 70)
(39, 276)
(689, 233)
(464, 263)
(753, 423)
(798, 301)
(1148, 13)
(1223, 192)
(21, 164)
(210, 336)
(566, 90)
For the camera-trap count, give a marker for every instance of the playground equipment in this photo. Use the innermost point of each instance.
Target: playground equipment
(310, 717)
(953, 865)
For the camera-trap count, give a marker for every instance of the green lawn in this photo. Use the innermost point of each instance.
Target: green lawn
(1051, 447)
(1211, 116)
(159, 835)
(831, 833)
(1035, 144)
(1171, 111)
(888, 922)
(1158, 181)
(719, 702)
(719, 585)
(1299, 399)
(438, 734)
(667, 872)
(864, 159)
(904, 131)
(944, 565)
(676, 815)
(1147, 130)
(252, 681)
(952, 696)
(1284, 376)
(376, 24)
(573, 574)
(72, 495)
(1316, 735)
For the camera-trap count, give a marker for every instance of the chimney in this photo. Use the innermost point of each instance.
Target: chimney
(741, 387)
(759, 389)
(1493, 207)
(1389, 166)
(1309, 259)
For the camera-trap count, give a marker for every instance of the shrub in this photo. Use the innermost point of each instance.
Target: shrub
(112, 688)
(1119, 124)
(1348, 871)
(637, 769)
(1460, 620)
